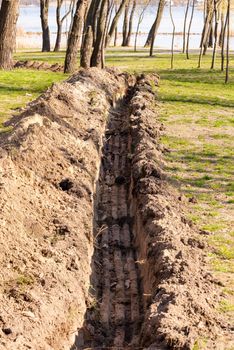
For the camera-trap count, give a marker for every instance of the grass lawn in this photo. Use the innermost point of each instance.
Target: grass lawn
(197, 109)
(18, 87)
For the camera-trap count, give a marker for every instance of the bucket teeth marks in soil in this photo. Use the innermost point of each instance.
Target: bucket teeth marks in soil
(118, 320)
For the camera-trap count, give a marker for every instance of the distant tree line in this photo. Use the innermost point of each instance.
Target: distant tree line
(94, 26)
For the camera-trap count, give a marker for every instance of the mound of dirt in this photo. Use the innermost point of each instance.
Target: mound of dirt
(48, 169)
(179, 294)
(39, 65)
(92, 236)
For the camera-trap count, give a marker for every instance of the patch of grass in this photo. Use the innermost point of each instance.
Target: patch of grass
(24, 280)
(226, 306)
(20, 86)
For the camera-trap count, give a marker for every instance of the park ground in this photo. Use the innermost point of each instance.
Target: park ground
(197, 109)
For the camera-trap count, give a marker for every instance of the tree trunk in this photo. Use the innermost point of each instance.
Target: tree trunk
(149, 37)
(140, 19)
(215, 34)
(97, 59)
(8, 20)
(60, 21)
(206, 28)
(128, 40)
(125, 24)
(115, 21)
(157, 23)
(74, 37)
(228, 39)
(189, 29)
(185, 23)
(223, 44)
(173, 36)
(44, 8)
(221, 30)
(86, 54)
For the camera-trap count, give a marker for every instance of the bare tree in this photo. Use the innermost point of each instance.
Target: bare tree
(140, 19)
(153, 30)
(189, 29)
(228, 39)
(215, 33)
(97, 59)
(75, 37)
(156, 24)
(8, 20)
(115, 21)
(130, 23)
(44, 9)
(185, 24)
(223, 43)
(125, 24)
(60, 21)
(173, 35)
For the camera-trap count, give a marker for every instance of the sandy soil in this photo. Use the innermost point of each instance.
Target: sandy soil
(113, 265)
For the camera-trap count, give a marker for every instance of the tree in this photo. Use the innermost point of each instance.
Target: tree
(97, 59)
(44, 9)
(8, 20)
(215, 33)
(189, 29)
(60, 21)
(228, 39)
(185, 23)
(156, 24)
(140, 19)
(130, 23)
(75, 37)
(96, 32)
(173, 35)
(153, 31)
(115, 21)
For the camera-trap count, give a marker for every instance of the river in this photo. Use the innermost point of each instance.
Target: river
(29, 22)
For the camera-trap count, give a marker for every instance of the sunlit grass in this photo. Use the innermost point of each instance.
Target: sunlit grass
(20, 86)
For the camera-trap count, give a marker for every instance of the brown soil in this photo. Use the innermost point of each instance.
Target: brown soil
(39, 65)
(118, 260)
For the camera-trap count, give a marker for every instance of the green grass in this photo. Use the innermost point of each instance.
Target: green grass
(20, 86)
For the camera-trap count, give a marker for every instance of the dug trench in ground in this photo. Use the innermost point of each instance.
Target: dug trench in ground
(149, 287)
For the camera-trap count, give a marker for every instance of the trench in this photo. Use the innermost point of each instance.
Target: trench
(114, 317)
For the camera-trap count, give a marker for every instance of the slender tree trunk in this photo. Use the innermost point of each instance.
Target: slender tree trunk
(223, 44)
(150, 35)
(116, 30)
(140, 19)
(221, 30)
(189, 29)
(75, 37)
(8, 20)
(44, 8)
(215, 34)
(128, 40)
(60, 21)
(115, 21)
(205, 32)
(185, 24)
(228, 39)
(173, 36)
(161, 6)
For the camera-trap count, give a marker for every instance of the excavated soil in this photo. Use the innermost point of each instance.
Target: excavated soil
(96, 251)
(39, 66)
